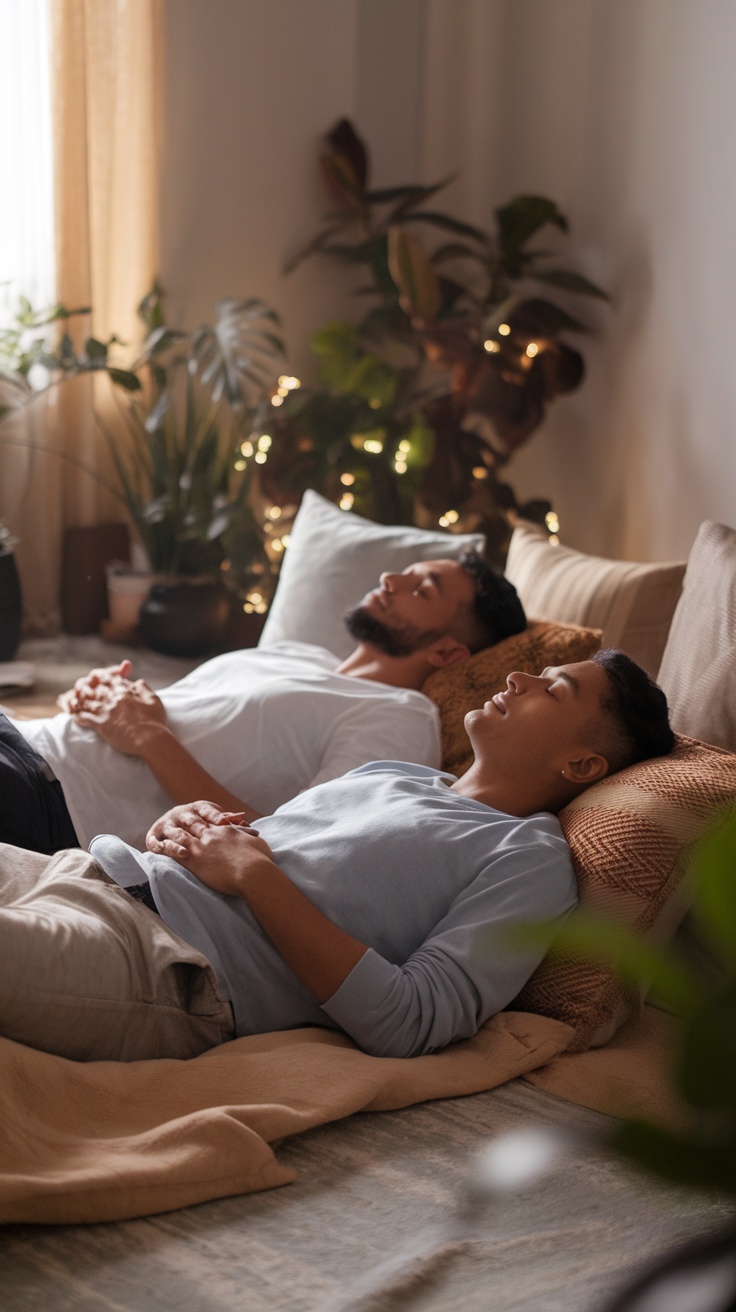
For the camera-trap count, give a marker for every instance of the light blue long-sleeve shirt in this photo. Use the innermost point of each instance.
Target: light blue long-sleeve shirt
(428, 879)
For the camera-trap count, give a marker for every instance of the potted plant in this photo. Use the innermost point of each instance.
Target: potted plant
(186, 482)
(423, 403)
(187, 404)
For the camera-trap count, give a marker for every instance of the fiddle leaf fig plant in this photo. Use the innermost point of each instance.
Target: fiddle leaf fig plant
(463, 319)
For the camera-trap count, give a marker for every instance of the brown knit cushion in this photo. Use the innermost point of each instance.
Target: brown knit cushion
(631, 838)
(463, 687)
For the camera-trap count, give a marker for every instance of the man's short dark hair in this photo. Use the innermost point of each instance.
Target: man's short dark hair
(497, 612)
(638, 709)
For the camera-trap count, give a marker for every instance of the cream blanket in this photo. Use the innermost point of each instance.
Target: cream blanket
(103, 1141)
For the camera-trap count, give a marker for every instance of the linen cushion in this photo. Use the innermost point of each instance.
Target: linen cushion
(698, 670)
(334, 557)
(462, 687)
(633, 604)
(631, 838)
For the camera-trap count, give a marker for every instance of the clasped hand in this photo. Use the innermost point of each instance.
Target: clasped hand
(217, 846)
(124, 712)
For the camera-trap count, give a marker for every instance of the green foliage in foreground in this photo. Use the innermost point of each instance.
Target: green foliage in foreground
(704, 1072)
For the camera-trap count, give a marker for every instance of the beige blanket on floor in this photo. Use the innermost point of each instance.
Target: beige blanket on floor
(102, 1141)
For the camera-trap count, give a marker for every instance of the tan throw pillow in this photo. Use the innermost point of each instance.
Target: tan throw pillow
(632, 604)
(631, 838)
(461, 688)
(698, 670)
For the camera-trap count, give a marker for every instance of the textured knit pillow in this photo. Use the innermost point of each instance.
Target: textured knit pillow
(462, 687)
(633, 604)
(698, 670)
(631, 838)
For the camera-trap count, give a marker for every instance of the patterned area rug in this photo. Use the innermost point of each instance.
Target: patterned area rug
(378, 1220)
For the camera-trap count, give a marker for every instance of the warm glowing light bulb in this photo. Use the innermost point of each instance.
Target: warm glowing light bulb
(277, 400)
(373, 446)
(239, 465)
(347, 480)
(554, 540)
(246, 449)
(264, 442)
(261, 457)
(224, 565)
(277, 545)
(443, 521)
(248, 608)
(404, 445)
(282, 392)
(400, 466)
(346, 501)
(532, 350)
(286, 540)
(452, 516)
(552, 522)
(274, 512)
(261, 608)
(255, 597)
(480, 472)
(504, 329)
(491, 346)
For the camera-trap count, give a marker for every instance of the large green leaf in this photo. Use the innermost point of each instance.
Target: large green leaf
(523, 217)
(239, 357)
(569, 281)
(419, 291)
(715, 876)
(694, 1161)
(438, 220)
(707, 1072)
(636, 959)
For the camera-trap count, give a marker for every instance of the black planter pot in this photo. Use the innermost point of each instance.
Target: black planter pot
(186, 617)
(11, 607)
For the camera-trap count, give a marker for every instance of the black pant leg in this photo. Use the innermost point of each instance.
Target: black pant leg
(33, 811)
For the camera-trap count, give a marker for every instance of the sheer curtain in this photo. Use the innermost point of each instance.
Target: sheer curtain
(105, 57)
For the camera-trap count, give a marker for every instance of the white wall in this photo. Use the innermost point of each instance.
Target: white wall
(621, 110)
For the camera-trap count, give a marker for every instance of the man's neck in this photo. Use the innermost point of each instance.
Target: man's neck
(504, 793)
(367, 662)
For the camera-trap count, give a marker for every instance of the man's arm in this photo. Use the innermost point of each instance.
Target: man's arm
(235, 861)
(132, 719)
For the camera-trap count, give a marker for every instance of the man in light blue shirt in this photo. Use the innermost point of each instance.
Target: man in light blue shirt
(377, 903)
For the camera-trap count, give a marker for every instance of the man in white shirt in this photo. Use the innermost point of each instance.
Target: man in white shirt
(251, 729)
(379, 903)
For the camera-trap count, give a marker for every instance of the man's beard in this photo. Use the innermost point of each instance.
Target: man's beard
(397, 641)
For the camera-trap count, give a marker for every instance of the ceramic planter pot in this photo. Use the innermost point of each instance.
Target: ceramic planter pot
(11, 607)
(185, 617)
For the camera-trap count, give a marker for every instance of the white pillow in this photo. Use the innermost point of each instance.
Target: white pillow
(334, 557)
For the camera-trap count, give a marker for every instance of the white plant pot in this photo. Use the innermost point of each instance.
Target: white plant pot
(127, 590)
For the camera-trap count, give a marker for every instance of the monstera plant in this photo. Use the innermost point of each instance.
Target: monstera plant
(424, 400)
(185, 406)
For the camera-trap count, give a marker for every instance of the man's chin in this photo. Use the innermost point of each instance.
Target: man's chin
(364, 626)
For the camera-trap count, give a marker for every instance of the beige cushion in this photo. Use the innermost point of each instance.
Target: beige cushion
(631, 838)
(632, 604)
(462, 687)
(698, 670)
